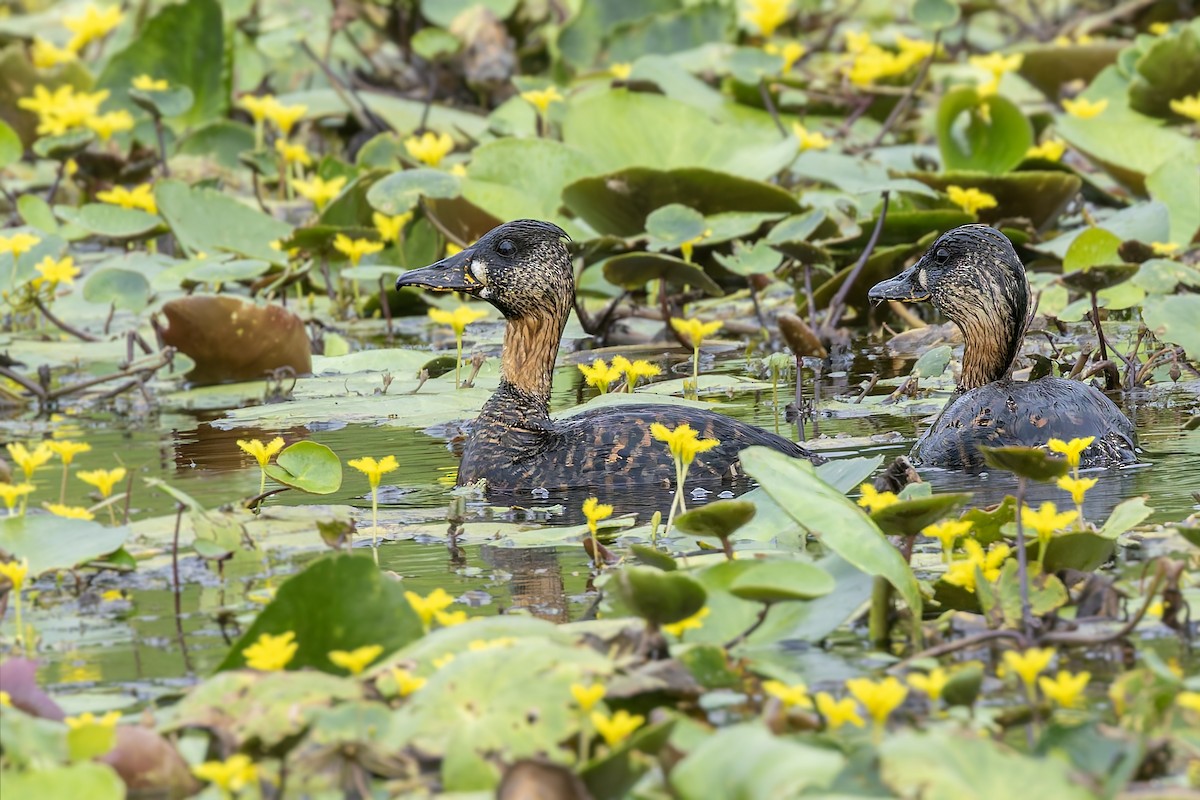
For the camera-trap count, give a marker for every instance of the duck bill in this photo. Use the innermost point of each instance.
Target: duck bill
(903, 288)
(451, 274)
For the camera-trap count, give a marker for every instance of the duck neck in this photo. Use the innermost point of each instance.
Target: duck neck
(527, 359)
(992, 319)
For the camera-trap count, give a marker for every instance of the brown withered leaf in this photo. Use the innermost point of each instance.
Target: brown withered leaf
(233, 340)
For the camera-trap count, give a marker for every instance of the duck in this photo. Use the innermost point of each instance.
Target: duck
(523, 268)
(973, 276)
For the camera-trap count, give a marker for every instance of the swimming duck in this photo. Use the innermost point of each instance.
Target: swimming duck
(524, 270)
(973, 276)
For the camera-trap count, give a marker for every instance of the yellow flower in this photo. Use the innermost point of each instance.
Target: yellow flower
(63, 109)
(271, 653)
(618, 727)
(1164, 248)
(67, 450)
(996, 65)
(445, 660)
(5, 700)
(56, 272)
(374, 470)
(838, 712)
(947, 532)
(932, 684)
(595, 511)
(284, 117)
(452, 249)
(913, 50)
(683, 441)
(318, 190)
(1065, 689)
(105, 125)
(600, 374)
(46, 55)
(790, 52)
(18, 244)
(355, 249)
(10, 493)
(542, 98)
(970, 200)
(68, 512)
(262, 453)
(232, 775)
(406, 682)
(1083, 108)
(429, 606)
(1187, 107)
(356, 660)
(1047, 519)
(586, 697)
(1072, 449)
(621, 71)
(103, 479)
(258, 106)
(1051, 150)
(790, 696)
(696, 331)
(1078, 487)
(141, 197)
(633, 371)
(873, 500)
(766, 15)
(293, 153)
(857, 42)
(30, 461)
(87, 719)
(476, 645)
(1029, 664)
(1188, 700)
(390, 227)
(448, 619)
(112, 595)
(146, 83)
(458, 319)
(810, 141)
(429, 148)
(693, 623)
(15, 571)
(92, 24)
(879, 698)
(962, 573)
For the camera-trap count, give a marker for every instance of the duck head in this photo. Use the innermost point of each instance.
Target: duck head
(521, 267)
(973, 276)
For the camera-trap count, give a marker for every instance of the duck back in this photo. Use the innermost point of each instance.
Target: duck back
(1019, 413)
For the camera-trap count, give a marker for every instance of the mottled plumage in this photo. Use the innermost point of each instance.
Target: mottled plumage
(973, 276)
(524, 270)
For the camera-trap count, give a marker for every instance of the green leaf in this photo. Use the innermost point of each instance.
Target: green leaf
(909, 517)
(115, 222)
(933, 363)
(674, 224)
(720, 519)
(1173, 319)
(11, 148)
(93, 781)
(341, 602)
(212, 222)
(444, 12)
(183, 43)
(1028, 462)
(53, 543)
(513, 178)
(1181, 197)
(400, 191)
(778, 581)
(746, 761)
(309, 467)
(1168, 70)
(841, 525)
(172, 102)
(1046, 591)
(935, 14)
(88, 742)
(761, 259)
(634, 270)
(37, 213)
(969, 140)
(1125, 516)
(434, 43)
(661, 598)
(213, 271)
(64, 146)
(1039, 195)
(1093, 247)
(122, 288)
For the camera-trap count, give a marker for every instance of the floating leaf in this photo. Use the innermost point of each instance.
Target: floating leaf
(309, 467)
(400, 191)
(115, 222)
(634, 270)
(172, 102)
(1027, 462)
(1093, 247)
(909, 517)
(992, 141)
(661, 598)
(53, 543)
(11, 148)
(720, 519)
(746, 760)
(778, 581)
(121, 288)
(935, 14)
(208, 221)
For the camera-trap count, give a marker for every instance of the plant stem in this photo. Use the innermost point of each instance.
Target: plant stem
(375, 522)
(877, 619)
(457, 359)
(20, 626)
(1022, 559)
(696, 372)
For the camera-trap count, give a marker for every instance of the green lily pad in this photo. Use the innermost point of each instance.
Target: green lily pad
(778, 581)
(909, 517)
(1046, 591)
(94, 781)
(634, 270)
(1038, 195)
(512, 178)
(64, 146)
(340, 602)
(172, 102)
(1173, 319)
(400, 191)
(53, 543)
(213, 271)
(720, 519)
(1092, 248)
(121, 288)
(208, 221)
(1049, 66)
(746, 760)
(660, 598)
(1126, 515)
(653, 557)
(933, 362)
(759, 259)
(935, 14)
(309, 467)
(433, 44)
(672, 225)
(1168, 70)
(11, 148)
(1027, 462)
(1098, 278)
(970, 138)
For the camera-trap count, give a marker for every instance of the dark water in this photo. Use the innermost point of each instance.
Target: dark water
(113, 653)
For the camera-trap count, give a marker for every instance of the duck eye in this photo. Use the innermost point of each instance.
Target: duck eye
(506, 248)
(942, 255)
